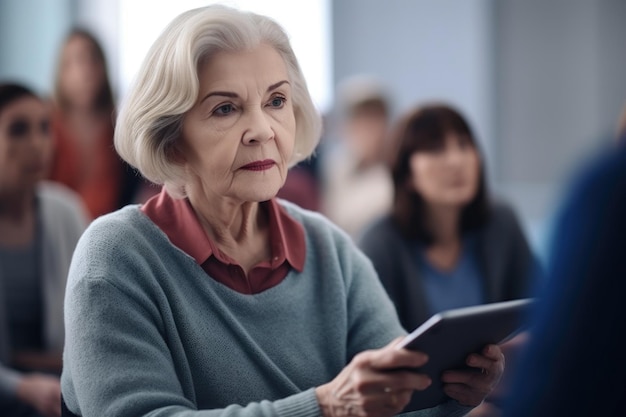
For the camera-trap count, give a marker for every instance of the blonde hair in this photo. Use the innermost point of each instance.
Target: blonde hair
(150, 119)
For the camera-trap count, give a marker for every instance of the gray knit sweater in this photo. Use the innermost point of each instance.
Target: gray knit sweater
(148, 333)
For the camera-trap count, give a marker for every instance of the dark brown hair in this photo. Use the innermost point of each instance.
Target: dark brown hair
(422, 129)
(10, 92)
(104, 98)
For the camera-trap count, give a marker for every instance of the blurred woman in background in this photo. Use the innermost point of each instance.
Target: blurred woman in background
(83, 121)
(445, 244)
(40, 223)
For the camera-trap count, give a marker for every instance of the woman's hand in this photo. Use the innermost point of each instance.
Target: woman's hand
(374, 384)
(42, 392)
(470, 387)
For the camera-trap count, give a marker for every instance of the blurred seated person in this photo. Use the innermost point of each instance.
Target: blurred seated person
(214, 298)
(304, 183)
(445, 244)
(40, 223)
(302, 186)
(356, 186)
(85, 159)
(573, 364)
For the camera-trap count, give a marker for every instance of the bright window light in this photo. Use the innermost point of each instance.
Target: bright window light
(306, 22)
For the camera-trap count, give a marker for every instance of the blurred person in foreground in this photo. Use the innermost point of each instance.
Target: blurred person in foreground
(40, 223)
(214, 298)
(446, 243)
(85, 158)
(581, 314)
(356, 186)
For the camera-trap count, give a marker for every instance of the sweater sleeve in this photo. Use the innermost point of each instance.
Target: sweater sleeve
(374, 323)
(381, 246)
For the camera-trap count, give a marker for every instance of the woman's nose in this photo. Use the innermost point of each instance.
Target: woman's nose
(258, 127)
(455, 154)
(39, 140)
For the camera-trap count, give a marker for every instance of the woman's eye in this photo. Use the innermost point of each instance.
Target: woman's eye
(18, 129)
(224, 110)
(278, 102)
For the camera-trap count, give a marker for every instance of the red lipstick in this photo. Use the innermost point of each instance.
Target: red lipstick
(259, 165)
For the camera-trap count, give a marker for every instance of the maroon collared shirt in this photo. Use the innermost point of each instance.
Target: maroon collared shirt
(177, 219)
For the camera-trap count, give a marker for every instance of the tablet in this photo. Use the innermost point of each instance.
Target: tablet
(448, 337)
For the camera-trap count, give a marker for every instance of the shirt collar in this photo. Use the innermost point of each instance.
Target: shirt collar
(178, 220)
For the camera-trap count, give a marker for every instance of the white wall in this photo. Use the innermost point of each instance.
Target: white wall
(561, 84)
(30, 34)
(422, 50)
(307, 24)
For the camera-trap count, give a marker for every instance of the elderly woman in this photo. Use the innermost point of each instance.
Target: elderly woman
(214, 298)
(40, 223)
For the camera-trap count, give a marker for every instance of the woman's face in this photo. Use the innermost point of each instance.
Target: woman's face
(239, 137)
(82, 71)
(25, 144)
(447, 176)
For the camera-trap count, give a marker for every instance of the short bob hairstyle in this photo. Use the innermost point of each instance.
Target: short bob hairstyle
(167, 86)
(424, 129)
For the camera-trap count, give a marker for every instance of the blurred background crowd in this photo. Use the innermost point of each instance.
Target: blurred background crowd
(541, 82)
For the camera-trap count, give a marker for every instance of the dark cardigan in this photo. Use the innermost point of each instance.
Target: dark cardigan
(504, 256)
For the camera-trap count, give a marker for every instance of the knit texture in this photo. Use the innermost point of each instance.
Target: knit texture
(149, 333)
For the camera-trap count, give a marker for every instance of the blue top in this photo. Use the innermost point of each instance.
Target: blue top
(507, 266)
(460, 287)
(149, 333)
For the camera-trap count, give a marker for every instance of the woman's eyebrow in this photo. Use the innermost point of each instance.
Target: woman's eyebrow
(276, 85)
(220, 93)
(231, 94)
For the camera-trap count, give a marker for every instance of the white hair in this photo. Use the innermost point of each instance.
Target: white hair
(150, 120)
